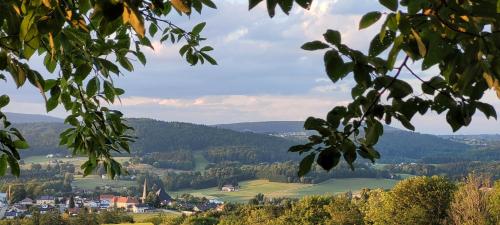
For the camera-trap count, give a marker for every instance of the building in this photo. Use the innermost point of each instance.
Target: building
(163, 196)
(3, 199)
(140, 208)
(228, 188)
(46, 200)
(11, 215)
(26, 202)
(125, 202)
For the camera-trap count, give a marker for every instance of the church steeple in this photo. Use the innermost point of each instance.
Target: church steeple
(144, 191)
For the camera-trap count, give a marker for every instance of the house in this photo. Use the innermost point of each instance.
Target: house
(228, 188)
(46, 200)
(19, 208)
(163, 196)
(125, 202)
(3, 198)
(11, 215)
(26, 202)
(140, 208)
(73, 211)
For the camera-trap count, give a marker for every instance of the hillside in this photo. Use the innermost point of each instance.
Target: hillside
(266, 127)
(395, 145)
(215, 142)
(159, 136)
(31, 118)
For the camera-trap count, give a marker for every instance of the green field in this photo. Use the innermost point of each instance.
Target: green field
(249, 189)
(93, 181)
(77, 161)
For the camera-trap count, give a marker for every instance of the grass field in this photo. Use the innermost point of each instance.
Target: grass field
(77, 161)
(249, 189)
(93, 181)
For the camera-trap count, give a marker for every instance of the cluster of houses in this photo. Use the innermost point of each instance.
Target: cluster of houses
(73, 205)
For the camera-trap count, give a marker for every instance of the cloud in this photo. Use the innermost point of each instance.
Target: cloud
(236, 35)
(231, 108)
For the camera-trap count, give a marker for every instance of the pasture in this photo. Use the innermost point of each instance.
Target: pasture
(248, 189)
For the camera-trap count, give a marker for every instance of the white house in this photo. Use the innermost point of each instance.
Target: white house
(46, 200)
(140, 208)
(228, 188)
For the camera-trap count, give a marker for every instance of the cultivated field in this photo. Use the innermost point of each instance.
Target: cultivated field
(249, 189)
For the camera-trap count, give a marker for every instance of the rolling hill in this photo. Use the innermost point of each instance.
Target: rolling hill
(159, 136)
(31, 118)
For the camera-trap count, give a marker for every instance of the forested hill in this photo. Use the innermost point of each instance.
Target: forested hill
(159, 136)
(32, 118)
(395, 145)
(267, 127)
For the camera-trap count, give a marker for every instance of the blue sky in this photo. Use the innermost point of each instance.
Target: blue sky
(262, 73)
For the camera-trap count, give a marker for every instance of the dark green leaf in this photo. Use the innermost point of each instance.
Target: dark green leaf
(369, 19)
(328, 158)
(314, 45)
(306, 164)
(4, 100)
(333, 37)
(198, 28)
(390, 4)
(487, 109)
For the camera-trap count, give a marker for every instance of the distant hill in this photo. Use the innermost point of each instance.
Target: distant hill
(158, 136)
(31, 118)
(265, 127)
(395, 145)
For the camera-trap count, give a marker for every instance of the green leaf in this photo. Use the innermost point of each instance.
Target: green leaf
(306, 164)
(20, 144)
(92, 86)
(52, 103)
(374, 131)
(349, 151)
(4, 100)
(125, 63)
(314, 45)
(454, 118)
(328, 158)
(333, 37)
(14, 166)
(390, 4)
(498, 6)
(109, 91)
(253, 3)
(377, 45)
(3, 165)
(209, 3)
(335, 67)
(198, 28)
(487, 109)
(369, 19)
(285, 5)
(82, 72)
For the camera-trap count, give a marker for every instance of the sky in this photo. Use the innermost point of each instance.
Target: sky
(262, 75)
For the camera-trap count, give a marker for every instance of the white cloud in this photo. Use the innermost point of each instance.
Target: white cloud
(236, 35)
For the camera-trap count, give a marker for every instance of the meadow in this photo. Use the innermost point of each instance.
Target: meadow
(92, 181)
(248, 189)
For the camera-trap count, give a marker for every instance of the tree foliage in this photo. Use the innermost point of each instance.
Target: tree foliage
(461, 39)
(86, 44)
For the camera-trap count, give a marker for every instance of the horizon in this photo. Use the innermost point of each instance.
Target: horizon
(262, 75)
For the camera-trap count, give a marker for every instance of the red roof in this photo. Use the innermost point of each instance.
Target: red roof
(126, 200)
(106, 197)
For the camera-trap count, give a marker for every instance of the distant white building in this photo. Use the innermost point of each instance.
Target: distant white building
(228, 188)
(3, 199)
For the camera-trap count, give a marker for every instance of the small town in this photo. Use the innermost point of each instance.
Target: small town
(73, 205)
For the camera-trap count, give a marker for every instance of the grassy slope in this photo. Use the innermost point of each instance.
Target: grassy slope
(249, 189)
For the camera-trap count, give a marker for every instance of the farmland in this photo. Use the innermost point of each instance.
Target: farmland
(249, 189)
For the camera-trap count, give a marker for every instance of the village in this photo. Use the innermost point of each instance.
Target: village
(73, 205)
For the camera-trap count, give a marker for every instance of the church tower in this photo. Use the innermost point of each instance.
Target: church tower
(144, 191)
